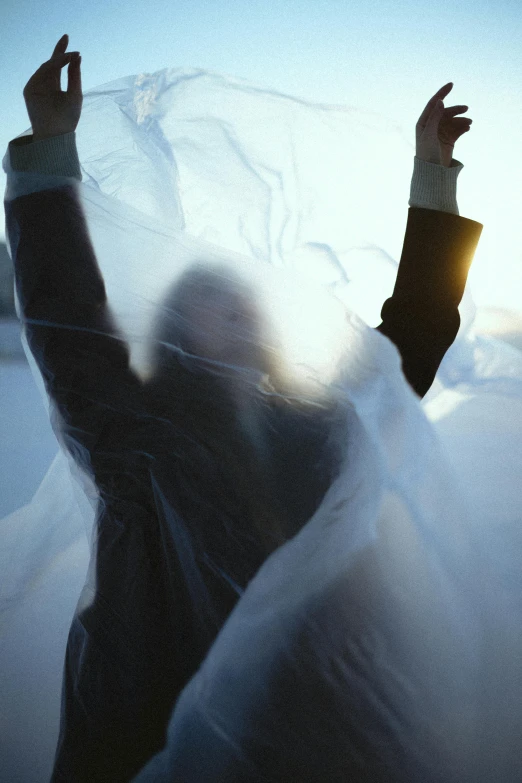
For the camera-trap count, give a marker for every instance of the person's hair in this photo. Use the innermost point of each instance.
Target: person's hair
(225, 464)
(196, 394)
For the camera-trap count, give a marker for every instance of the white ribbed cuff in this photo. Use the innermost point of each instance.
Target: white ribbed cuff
(55, 156)
(434, 186)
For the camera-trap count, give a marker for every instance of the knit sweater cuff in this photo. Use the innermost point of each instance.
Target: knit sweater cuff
(55, 156)
(434, 186)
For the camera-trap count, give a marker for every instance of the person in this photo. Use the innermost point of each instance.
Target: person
(190, 503)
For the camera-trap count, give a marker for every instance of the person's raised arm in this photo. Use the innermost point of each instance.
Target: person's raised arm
(83, 360)
(422, 317)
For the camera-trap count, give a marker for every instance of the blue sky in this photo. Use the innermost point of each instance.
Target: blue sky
(382, 55)
(385, 56)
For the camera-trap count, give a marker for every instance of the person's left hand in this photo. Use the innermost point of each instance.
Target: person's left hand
(51, 110)
(438, 129)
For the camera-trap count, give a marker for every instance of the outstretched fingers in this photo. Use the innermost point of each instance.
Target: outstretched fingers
(461, 124)
(432, 103)
(61, 46)
(48, 75)
(452, 111)
(60, 57)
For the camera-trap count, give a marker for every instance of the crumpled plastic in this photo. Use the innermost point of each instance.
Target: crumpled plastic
(392, 618)
(355, 652)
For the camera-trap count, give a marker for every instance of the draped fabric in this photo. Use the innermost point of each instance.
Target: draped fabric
(385, 634)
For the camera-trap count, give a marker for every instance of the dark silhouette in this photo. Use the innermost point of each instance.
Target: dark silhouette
(7, 304)
(190, 502)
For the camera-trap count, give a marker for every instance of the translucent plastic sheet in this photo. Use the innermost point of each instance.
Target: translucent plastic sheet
(356, 652)
(383, 642)
(220, 216)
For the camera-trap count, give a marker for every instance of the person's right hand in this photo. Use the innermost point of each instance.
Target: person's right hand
(53, 112)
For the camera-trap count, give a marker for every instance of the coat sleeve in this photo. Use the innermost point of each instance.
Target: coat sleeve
(63, 306)
(131, 645)
(422, 317)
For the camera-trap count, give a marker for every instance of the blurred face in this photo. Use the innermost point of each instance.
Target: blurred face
(221, 321)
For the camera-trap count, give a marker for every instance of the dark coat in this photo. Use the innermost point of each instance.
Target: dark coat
(157, 594)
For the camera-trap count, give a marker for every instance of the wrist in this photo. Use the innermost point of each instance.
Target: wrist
(434, 186)
(436, 161)
(54, 155)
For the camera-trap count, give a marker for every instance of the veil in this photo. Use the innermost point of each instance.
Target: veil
(182, 166)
